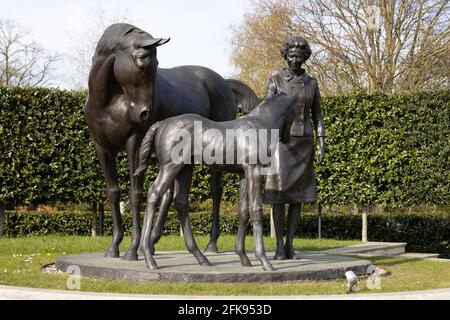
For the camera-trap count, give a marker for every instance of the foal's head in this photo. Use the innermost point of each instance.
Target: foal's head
(277, 113)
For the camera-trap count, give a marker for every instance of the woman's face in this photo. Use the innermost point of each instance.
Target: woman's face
(295, 58)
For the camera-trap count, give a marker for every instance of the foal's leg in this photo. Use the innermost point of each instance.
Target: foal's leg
(108, 163)
(216, 190)
(182, 186)
(162, 217)
(243, 220)
(162, 183)
(135, 196)
(254, 185)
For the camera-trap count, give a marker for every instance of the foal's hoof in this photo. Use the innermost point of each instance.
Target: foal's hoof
(212, 247)
(130, 255)
(112, 252)
(206, 263)
(267, 266)
(245, 261)
(151, 263)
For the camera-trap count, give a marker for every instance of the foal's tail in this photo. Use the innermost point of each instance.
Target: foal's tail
(246, 98)
(146, 148)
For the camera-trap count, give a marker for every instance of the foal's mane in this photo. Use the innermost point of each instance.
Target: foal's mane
(277, 103)
(266, 105)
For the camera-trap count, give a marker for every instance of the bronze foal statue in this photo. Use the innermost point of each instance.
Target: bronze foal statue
(195, 134)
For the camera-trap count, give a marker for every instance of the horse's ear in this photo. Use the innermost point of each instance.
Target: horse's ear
(101, 78)
(154, 42)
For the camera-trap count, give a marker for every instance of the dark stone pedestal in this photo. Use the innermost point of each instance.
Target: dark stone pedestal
(182, 266)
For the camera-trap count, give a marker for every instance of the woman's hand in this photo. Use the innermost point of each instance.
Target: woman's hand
(321, 153)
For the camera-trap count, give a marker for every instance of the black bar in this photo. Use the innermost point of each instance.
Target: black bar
(2, 221)
(319, 221)
(101, 215)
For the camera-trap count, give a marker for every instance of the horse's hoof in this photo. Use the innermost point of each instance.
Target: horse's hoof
(130, 255)
(245, 262)
(280, 255)
(212, 247)
(290, 253)
(112, 253)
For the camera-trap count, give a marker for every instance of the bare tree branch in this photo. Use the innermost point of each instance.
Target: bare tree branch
(22, 61)
(361, 44)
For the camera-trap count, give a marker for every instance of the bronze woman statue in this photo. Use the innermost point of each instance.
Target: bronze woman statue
(295, 183)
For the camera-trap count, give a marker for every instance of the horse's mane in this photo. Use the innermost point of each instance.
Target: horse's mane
(111, 38)
(106, 47)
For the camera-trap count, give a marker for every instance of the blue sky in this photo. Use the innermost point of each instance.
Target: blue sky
(200, 30)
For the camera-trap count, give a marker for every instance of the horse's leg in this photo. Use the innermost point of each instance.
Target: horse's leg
(162, 183)
(254, 185)
(162, 216)
(278, 221)
(108, 163)
(243, 220)
(135, 196)
(216, 190)
(292, 224)
(182, 186)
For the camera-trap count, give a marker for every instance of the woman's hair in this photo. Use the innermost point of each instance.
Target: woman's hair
(296, 42)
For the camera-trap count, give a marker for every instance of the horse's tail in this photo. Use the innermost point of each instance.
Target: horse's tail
(246, 98)
(146, 148)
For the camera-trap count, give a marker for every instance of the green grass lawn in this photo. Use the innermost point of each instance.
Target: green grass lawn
(21, 260)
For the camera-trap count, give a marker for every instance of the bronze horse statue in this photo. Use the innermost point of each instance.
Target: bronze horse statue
(127, 94)
(243, 156)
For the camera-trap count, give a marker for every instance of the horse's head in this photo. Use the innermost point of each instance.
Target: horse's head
(135, 71)
(125, 64)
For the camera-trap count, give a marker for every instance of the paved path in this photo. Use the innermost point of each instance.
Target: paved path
(17, 293)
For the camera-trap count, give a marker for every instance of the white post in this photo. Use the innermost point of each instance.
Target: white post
(94, 220)
(272, 224)
(364, 226)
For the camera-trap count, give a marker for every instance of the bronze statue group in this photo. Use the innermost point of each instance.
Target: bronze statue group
(137, 107)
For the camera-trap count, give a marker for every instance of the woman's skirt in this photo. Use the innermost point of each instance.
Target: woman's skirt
(294, 180)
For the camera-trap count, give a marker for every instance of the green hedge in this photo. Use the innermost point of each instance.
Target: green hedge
(387, 149)
(381, 149)
(423, 232)
(47, 154)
